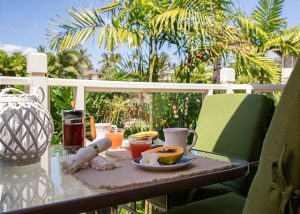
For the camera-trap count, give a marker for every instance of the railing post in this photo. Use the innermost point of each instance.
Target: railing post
(79, 92)
(249, 90)
(207, 93)
(229, 89)
(37, 70)
(210, 92)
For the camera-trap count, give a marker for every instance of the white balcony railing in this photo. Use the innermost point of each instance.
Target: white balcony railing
(37, 69)
(81, 87)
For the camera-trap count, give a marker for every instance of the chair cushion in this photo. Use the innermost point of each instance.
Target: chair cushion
(229, 203)
(212, 191)
(180, 198)
(284, 130)
(234, 124)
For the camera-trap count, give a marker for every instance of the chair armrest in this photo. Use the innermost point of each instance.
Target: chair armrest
(191, 195)
(253, 164)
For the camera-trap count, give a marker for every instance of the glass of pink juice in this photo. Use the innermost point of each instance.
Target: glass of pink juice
(138, 145)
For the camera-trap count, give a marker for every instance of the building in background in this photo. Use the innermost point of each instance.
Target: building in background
(92, 75)
(288, 63)
(166, 75)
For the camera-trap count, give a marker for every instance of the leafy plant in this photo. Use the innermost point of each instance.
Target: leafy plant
(170, 111)
(70, 63)
(61, 98)
(266, 30)
(14, 65)
(204, 31)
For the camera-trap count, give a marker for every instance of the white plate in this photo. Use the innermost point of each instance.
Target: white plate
(180, 164)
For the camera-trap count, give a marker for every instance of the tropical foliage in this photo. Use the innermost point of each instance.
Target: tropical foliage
(267, 32)
(171, 40)
(14, 65)
(61, 98)
(130, 24)
(201, 30)
(69, 63)
(206, 35)
(110, 63)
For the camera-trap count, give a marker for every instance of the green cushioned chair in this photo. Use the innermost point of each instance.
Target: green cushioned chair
(276, 186)
(231, 124)
(235, 125)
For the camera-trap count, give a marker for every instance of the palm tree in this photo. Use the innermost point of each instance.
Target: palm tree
(14, 65)
(266, 30)
(131, 24)
(5, 64)
(18, 64)
(135, 63)
(84, 63)
(41, 49)
(110, 63)
(69, 63)
(164, 64)
(202, 31)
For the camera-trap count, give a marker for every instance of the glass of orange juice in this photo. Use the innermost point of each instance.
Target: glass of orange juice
(139, 145)
(116, 137)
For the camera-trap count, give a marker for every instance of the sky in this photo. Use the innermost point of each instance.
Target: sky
(23, 22)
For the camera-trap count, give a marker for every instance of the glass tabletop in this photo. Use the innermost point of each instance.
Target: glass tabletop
(43, 183)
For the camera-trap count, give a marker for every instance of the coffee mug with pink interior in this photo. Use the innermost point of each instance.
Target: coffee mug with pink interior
(179, 137)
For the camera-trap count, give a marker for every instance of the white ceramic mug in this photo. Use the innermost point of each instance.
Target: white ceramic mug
(103, 128)
(179, 136)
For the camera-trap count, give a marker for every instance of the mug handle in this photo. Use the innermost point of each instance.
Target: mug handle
(114, 127)
(189, 147)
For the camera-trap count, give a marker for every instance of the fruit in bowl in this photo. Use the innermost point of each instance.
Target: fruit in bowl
(167, 154)
(153, 134)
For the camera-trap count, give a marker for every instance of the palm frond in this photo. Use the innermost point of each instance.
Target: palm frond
(111, 37)
(191, 22)
(246, 58)
(248, 27)
(248, 61)
(287, 43)
(268, 15)
(75, 30)
(108, 8)
(83, 24)
(195, 19)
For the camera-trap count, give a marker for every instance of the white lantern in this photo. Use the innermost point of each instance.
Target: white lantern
(227, 75)
(26, 127)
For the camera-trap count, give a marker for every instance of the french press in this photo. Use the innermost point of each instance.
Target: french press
(73, 127)
(76, 129)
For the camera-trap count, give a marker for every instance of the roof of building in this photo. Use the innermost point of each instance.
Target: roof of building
(91, 72)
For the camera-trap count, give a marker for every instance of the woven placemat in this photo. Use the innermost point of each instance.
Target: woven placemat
(129, 175)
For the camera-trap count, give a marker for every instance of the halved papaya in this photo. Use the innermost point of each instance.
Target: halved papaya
(168, 154)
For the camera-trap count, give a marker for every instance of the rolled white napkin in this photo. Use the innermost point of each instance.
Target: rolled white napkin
(84, 155)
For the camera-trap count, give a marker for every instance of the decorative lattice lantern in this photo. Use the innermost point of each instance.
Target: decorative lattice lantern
(26, 127)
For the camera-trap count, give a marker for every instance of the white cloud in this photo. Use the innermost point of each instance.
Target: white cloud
(11, 48)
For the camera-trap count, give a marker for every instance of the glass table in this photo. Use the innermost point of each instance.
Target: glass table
(42, 187)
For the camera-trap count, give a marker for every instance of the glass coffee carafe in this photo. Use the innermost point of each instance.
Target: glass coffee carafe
(73, 128)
